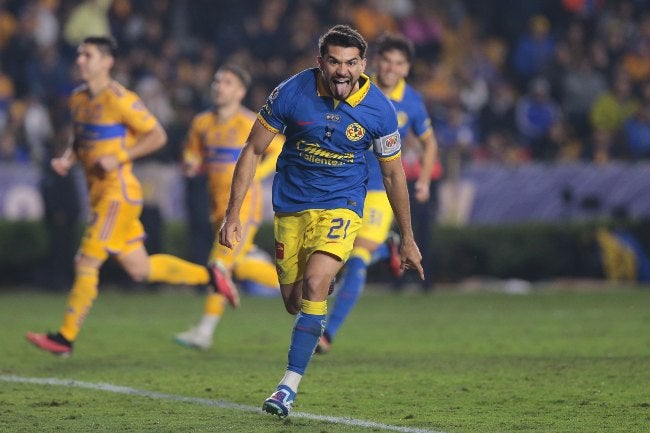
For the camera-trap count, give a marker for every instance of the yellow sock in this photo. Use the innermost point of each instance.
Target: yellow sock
(214, 304)
(362, 253)
(80, 299)
(259, 271)
(165, 268)
(318, 308)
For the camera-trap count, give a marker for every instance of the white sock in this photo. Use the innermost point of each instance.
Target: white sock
(208, 324)
(291, 379)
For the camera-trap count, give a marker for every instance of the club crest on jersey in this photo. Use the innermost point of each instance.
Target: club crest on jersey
(355, 132)
(388, 144)
(390, 141)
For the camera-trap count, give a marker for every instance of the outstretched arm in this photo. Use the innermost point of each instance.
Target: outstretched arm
(429, 158)
(395, 183)
(258, 140)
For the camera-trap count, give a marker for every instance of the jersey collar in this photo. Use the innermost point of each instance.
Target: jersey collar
(355, 98)
(398, 92)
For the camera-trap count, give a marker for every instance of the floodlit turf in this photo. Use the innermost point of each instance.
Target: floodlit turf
(445, 362)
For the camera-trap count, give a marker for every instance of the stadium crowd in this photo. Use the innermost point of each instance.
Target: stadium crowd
(504, 81)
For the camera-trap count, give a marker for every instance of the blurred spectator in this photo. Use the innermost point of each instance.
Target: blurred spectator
(498, 115)
(536, 112)
(38, 130)
(305, 29)
(581, 85)
(562, 142)
(47, 26)
(583, 8)
(612, 33)
(10, 149)
(18, 52)
(600, 146)
(497, 127)
(472, 89)
(636, 62)
(154, 95)
(501, 147)
(424, 28)
(8, 25)
(6, 97)
(90, 17)
(48, 75)
(456, 135)
(266, 36)
(637, 133)
(614, 106)
(533, 50)
(371, 19)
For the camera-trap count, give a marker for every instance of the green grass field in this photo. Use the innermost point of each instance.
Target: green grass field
(551, 361)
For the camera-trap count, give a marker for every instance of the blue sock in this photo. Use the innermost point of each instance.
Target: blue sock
(306, 331)
(381, 253)
(347, 295)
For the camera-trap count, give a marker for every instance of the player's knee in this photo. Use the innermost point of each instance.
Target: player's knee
(138, 275)
(82, 262)
(137, 272)
(316, 286)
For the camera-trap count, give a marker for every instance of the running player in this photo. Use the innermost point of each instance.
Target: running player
(393, 60)
(213, 144)
(330, 115)
(112, 128)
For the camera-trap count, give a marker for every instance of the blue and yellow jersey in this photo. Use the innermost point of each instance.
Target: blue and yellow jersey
(216, 144)
(108, 124)
(412, 116)
(323, 163)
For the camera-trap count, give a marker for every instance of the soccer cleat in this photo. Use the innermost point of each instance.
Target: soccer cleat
(53, 343)
(395, 260)
(223, 284)
(194, 339)
(323, 345)
(280, 402)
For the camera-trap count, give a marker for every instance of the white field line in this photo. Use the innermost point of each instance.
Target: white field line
(107, 387)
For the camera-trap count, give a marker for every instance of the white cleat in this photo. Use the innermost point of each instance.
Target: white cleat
(194, 339)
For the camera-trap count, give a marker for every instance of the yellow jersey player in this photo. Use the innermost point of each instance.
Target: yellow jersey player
(213, 144)
(112, 128)
(329, 115)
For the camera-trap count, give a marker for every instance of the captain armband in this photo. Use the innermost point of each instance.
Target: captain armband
(388, 145)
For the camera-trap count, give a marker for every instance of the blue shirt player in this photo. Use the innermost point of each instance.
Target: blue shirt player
(329, 115)
(392, 64)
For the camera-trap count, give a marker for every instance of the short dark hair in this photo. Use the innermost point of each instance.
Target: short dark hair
(242, 74)
(395, 41)
(105, 44)
(342, 35)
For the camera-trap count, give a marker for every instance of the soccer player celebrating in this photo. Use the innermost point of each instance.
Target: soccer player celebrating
(213, 144)
(392, 63)
(329, 115)
(112, 127)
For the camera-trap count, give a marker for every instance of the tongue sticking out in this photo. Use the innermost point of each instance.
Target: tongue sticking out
(341, 89)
